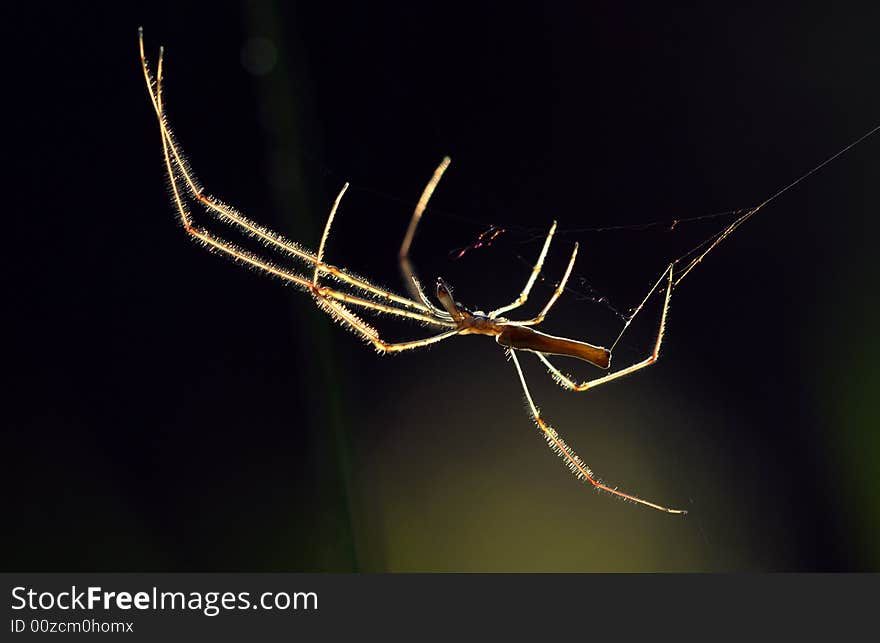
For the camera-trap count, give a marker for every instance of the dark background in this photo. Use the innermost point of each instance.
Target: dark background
(167, 410)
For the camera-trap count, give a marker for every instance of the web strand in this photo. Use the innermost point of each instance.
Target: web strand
(715, 240)
(695, 255)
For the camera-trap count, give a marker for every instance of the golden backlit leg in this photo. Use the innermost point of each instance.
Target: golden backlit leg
(536, 270)
(574, 463)
(560, 288)
(354, 323)
(406, 268)
(230, 215)
(567, 382)
(342, 314)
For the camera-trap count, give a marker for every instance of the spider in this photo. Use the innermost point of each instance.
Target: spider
(451, 318)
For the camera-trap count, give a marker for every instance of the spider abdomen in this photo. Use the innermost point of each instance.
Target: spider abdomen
(524, 338)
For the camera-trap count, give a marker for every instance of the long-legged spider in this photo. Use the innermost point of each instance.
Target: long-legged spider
(452, 318)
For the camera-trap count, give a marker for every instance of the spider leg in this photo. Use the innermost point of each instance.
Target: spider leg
(376, 307)
(536, 270)
(354, 323)
(560, 287)
(329, 293)
(224, 212)
(229, 215)
(410, 278)
(327, 225)
(206, 237)
(567, 382)
(244, 256)
(574, 463)
(342, 314)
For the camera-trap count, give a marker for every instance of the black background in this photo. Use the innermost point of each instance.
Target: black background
(169, 411)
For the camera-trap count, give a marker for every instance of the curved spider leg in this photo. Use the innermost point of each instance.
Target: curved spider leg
(536, 270)
(325, 293)
(218, 244)
(244, 256)
(229, 215)
(154, 87)
(324, 299)
(329, 223)
(567, 382)
(574, 463)
(560, 287)
(406, 267)
(438, 312)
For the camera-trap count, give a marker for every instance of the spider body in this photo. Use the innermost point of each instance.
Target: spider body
(453, 318)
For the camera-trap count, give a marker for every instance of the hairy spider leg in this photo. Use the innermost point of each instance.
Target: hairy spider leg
(175, 166)
(409, 274)
(229, 215)
(536, 270)
(560, 287)
(567, 382)
(574, 463)
(351, 321)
